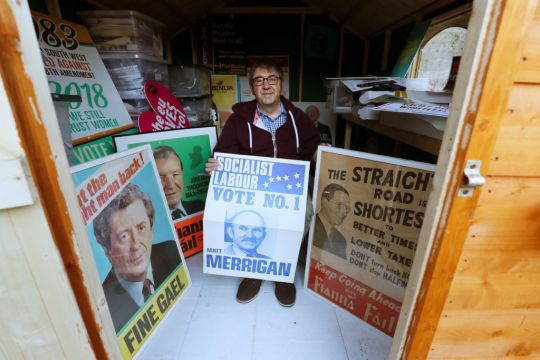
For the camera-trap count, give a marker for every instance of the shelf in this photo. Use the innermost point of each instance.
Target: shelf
(422, 142)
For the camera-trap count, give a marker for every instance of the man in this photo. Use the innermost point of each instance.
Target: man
(335, 206)
(171, 173)
(247, 231)
(268, 126)
(125, 231)
(324, 131)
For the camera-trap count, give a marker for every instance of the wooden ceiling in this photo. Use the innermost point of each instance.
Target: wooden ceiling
(365, 18)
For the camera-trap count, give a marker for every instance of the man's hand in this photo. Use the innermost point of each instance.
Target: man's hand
(211, 165)
(315, 153)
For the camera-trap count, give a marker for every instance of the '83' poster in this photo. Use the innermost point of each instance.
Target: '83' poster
(74, 67)
(369, 210)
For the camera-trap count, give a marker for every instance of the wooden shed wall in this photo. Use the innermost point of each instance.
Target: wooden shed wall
(493, 307)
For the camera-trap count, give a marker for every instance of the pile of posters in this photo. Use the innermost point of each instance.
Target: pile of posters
(180, 156)
(143, 206)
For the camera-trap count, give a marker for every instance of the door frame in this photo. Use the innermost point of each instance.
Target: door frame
(488, 67)
(35, 119)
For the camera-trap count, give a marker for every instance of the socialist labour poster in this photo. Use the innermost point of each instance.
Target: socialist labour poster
(369, 210)
(74, 67)
(180, 157)
(135, 248)
(254, 217)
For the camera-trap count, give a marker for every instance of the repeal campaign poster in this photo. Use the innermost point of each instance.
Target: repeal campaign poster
(74, 67)
(180, 157)
(369, 210)
(134, 245)
(254, 218)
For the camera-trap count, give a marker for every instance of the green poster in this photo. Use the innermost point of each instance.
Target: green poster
(98, 148)
(410, 49)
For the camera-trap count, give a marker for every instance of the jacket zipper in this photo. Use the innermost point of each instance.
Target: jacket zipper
(274, 143)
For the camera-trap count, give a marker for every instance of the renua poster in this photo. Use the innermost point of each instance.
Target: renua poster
(135, 248)
(369, 210)
(254, 217)
(180, 157)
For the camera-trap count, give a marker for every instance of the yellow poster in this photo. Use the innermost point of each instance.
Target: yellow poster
(369, 210)
(225, 93)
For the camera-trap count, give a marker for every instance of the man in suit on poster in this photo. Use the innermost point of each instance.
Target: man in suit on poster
(335, 206)
(247, 231)
(125, 230)
(171, 173)
(313, 114)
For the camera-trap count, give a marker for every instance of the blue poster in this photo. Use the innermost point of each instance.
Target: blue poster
(254, 217)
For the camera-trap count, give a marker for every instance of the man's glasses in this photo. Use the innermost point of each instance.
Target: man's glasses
(259, 80)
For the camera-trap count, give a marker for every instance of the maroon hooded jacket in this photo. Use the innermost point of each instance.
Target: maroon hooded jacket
(296, 139)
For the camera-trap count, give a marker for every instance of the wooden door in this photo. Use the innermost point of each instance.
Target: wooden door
(480, 293)
(54, 306)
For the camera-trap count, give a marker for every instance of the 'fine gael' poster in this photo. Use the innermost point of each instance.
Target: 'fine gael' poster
(133, 242)
(180, 157)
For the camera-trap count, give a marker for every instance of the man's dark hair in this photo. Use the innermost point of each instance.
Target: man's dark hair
(164, 151)
(330, 189)
(265, 63)
(127, 196)
(230, 221)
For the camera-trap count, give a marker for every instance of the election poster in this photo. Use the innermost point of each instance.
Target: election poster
(369, 210)
(134, 245)
(225, 93)
(180, 157)
(323, 119)
(74, 67)
(254, 218)
(98, 148)
(168, 113)
(229, 46)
